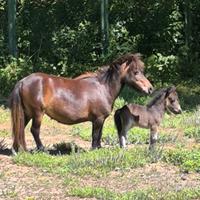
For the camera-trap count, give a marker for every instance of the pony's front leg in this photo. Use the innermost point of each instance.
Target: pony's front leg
(153, 137)
(97, 126)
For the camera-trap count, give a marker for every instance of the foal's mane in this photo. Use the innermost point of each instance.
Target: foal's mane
(105, 73)
(157, 97)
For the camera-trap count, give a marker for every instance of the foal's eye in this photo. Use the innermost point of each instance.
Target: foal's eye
(136, 73)
(172, 100)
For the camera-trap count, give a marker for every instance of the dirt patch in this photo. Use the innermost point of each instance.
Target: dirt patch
(21, 182)
(160, 176)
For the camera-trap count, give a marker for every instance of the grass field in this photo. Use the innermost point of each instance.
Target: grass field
(171, 171)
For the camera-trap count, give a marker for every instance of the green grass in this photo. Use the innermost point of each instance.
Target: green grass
(97, 163)
(5, 133)
(148, 194)
(100, 162)
(4, 115)
(187, 160)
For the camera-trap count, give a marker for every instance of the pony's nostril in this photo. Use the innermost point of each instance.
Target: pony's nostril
(150, 90)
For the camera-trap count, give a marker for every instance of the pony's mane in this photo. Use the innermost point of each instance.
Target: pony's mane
(104, 73)
(128, 58)
(157, 97)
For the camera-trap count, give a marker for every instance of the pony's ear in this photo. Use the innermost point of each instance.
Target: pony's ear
(169, 90)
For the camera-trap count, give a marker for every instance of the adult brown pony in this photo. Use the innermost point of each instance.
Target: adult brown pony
(89, 97)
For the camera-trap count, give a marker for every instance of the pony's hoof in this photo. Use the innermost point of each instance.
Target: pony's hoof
(41, 149)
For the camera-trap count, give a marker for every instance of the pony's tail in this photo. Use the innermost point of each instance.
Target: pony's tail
(117, 120)
(17, 118)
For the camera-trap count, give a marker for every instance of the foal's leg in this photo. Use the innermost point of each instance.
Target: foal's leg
(35, 129)
(97, 126)
(122, 138)
(153, 137)
(126, 126)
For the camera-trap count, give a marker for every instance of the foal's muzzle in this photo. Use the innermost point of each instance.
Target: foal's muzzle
(150, 90)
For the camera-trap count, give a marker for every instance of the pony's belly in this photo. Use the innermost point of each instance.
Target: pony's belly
(66, 117)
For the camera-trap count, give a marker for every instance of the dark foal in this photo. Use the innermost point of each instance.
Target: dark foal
(89, 97)
(149, 116)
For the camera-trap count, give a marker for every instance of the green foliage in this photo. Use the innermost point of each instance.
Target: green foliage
(14, 70)
(64, 38)
(163, 68)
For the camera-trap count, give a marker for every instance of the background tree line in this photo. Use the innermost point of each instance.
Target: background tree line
(64, 38)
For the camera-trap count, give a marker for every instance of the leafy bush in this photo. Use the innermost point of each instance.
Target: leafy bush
(14, 70)
(163, 68)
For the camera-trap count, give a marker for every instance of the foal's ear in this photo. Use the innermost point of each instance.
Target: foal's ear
(136, 118)
(170, 90)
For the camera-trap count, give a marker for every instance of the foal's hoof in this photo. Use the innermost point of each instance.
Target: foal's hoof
(14, 152)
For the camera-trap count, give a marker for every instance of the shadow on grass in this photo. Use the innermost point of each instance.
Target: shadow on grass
(64, 148)
(3, 148)
(57, 149)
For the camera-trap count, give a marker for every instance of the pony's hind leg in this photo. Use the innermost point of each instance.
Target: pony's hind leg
(26, 121)
(35, 130)
(15, 146)
(153, 137)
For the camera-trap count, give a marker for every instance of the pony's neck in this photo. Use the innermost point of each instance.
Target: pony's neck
(114, 85)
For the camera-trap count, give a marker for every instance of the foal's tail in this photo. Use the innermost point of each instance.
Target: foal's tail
(17, 118)
(117, 120)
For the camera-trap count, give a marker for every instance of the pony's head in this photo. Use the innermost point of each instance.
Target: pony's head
(131, 69)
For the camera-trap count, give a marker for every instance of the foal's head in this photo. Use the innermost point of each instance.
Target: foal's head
(167, 97)
(172, 101)
(131, 69)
